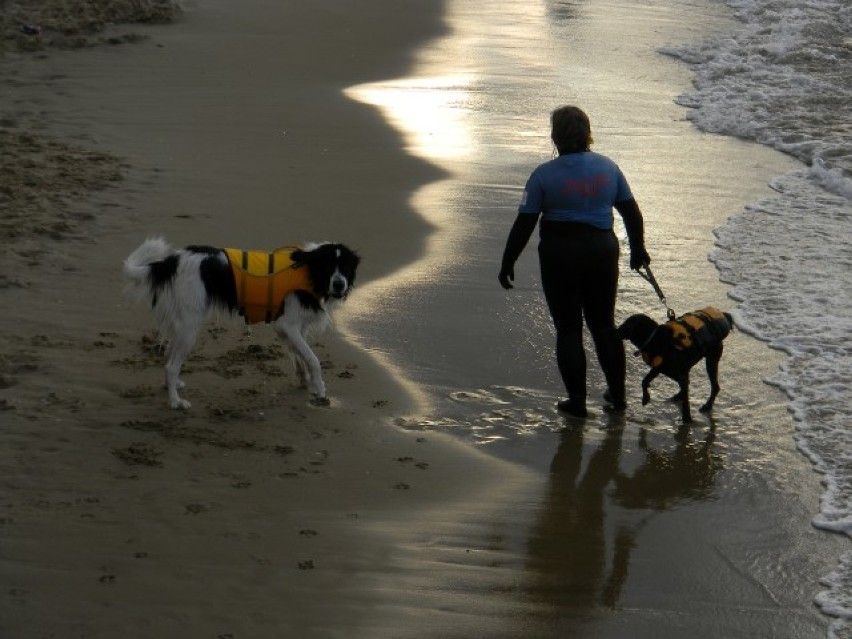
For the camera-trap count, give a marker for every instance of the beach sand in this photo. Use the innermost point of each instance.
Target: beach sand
(251, 515)
(256, 514)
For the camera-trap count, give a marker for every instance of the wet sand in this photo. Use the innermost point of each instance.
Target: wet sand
(256, 514)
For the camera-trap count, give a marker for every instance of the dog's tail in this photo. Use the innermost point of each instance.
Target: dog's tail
(137, 266)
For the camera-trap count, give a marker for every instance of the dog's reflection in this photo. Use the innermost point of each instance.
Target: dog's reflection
(672, 474)
(579, 550)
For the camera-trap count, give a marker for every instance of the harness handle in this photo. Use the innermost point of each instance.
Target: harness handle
(648, 276)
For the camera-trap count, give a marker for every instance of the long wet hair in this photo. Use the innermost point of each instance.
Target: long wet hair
(570, 130)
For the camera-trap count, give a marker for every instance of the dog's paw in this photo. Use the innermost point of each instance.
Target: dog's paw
(706, 408)
(646, 398)
(180, 404)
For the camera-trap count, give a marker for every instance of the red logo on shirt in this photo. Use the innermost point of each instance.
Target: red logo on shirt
(585, 187)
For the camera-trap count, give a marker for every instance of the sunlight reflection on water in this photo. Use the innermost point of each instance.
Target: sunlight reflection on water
(429, 111)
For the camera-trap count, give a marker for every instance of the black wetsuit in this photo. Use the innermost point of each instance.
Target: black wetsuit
(579, 275)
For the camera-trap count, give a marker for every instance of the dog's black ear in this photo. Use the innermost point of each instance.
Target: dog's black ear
(299, 257)
(625, 329)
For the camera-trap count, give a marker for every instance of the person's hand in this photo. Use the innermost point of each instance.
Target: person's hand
(506, 277)
(639, 258)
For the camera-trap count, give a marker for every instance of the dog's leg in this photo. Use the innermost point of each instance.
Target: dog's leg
(685, 412)
(169, 350)
(712, 361)
(180, 344)
(646, 383)
(309, 361)
(301, 367)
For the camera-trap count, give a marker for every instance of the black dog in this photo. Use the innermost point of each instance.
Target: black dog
(675, 347)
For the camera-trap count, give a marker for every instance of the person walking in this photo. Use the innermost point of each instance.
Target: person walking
(574, 195)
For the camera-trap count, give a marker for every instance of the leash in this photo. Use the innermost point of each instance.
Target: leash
(648, 276)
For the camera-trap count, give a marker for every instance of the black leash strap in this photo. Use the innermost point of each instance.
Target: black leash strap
(649, 277)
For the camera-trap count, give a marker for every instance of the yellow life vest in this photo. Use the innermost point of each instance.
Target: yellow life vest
(699, 327)
(264, 279)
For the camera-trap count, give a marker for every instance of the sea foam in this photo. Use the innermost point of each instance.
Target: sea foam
(784, 79)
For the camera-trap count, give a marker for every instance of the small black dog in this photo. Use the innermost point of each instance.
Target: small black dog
(675, 347)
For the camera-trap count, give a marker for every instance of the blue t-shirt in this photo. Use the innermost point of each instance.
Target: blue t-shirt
(576, 187)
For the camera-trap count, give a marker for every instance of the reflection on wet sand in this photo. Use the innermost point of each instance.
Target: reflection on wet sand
(579, 550)
(668, 476)
(567, 548)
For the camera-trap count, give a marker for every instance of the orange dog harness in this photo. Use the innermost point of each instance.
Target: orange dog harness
(699, 327)
(263, 281)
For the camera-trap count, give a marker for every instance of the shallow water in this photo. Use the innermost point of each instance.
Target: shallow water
(783, 78)
(477, 105)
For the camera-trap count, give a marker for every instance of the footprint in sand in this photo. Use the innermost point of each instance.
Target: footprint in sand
(138, 392)
(198, 507)
(139, 454)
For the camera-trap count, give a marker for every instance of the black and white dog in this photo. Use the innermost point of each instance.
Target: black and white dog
(183, 285)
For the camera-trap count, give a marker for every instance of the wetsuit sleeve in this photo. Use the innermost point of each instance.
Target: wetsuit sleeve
(635, 226)
(518, 237)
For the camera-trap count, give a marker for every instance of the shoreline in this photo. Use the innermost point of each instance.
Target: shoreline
(118, 512)
(258, 515)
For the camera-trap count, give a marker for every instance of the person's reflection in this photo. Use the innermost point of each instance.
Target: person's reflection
(578, 559)
(567, 548)
(669, 475)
